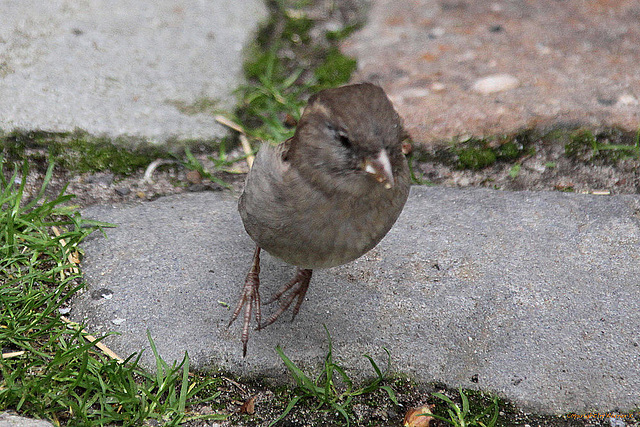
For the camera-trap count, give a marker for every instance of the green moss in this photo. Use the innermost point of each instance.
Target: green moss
(476, 157)
(581, 144)
(100, 154)
(296, 28)
(336, 70)
(80, 152)
(342, 33)
(607, 146)
(479, 153)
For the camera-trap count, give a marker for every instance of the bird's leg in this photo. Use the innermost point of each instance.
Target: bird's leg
(250, 298)
(298, 287)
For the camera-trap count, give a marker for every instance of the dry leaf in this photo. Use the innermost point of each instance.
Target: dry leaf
(407, 148)
(248, 407)
(194, 177)
(414, 417)
(290, 121)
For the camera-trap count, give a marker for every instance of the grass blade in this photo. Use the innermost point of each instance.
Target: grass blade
(184, 385)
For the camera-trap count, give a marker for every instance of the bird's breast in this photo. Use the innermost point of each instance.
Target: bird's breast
(315, 231)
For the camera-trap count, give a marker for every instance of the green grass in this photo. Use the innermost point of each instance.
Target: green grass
(48, 369)
(332, 389)
(192, 163)
(463, 416)
(285, 66)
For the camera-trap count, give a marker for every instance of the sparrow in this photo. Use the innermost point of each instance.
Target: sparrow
(325, 196)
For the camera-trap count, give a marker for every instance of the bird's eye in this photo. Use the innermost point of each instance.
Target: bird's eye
(340, 135)
(344, 139)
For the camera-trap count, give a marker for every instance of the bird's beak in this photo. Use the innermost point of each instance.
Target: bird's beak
(380, 167)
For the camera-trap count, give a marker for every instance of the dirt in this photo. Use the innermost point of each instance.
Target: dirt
(546, 164)
(547, 168)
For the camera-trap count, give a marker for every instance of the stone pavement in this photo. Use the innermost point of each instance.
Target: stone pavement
(533, 296)
(491, 67)
(157, 69)
(149, 69)
(11, 420)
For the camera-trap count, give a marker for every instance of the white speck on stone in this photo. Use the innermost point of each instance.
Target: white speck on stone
(438, 31)
(64, 310)
(627, 99)
(118, 321)
(542, 49)
(466, 56)
(438, 87)
(537, 167)
(495, 83)
(413, 92)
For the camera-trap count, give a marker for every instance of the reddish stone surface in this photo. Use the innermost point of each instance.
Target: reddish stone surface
(576, 62)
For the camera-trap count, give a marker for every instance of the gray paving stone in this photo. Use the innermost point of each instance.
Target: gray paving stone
(122, 67)
(550, 64)
(534, 296)
(11, 420)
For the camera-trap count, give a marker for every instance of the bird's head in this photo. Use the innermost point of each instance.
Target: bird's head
(352, 135)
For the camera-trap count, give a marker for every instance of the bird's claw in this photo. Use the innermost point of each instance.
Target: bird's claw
(298, 286)
(250, 298)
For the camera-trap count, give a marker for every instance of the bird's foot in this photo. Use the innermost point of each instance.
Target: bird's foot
(250, 299)
(298, 287)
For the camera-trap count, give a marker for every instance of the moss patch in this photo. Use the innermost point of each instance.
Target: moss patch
(479, 153)
(336, 69)
(80, 152)
(607, 146)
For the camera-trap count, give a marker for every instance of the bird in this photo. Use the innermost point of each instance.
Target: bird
(325, 196)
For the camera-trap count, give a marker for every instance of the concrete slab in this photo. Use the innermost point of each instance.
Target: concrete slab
(8, 419)
(456, 68)
(534, 296)
(148, 68)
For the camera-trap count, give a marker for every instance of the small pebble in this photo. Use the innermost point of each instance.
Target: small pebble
(123, 191)
(100, 178)
(438, 87)
(616, 422)
(102, 293)
(194, 177)
(118, 321)
(627, 99)
(195, 188)
(537, 167)
(495, 83)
